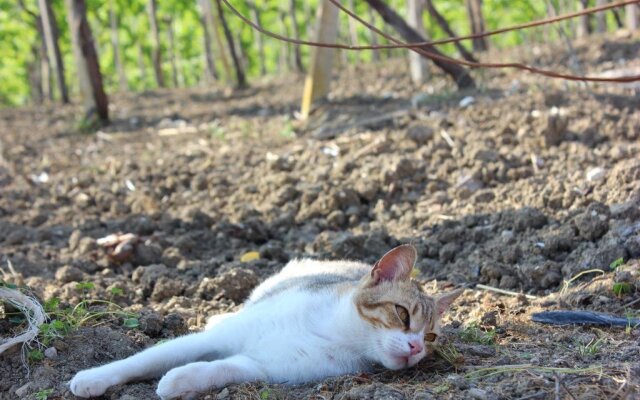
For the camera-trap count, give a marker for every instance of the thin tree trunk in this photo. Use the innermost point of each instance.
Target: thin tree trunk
(34, 72)
(373, 38)
(115, 42)
(156, 50)
(87, 61)
(444, 25)
(213, 23)
(584, 27)
(459, 74)
(296, 35)
(632, 11)
(51, 35)
(208, 52)
(617, 17)
(284, 31)
(417, 63)
(474, 8)
(601, 17)
(318, 80)
(172, 51)
(240, 77)
(255, 17)
(141, 68)
(353, 32)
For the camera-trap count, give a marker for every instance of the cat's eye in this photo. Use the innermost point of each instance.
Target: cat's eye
(430, 337)
(403, 314)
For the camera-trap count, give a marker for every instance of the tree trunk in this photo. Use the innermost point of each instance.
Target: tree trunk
(240, 77)
(318, 80)
(476, 18)
(375, 56)
(296, 35)
(34, 72)
(155, 42)
(141, 67)
(417, 63)
(208, 52)
(255, 17)
(51, 35)
(115, 42)
(584, 27)
(213, 24)
(632, 11)
(286, 54)
(459, 74)
(89, 74)
(601, 17)
(172, 52)
(444, 25)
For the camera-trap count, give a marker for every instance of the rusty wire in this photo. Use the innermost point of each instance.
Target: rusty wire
(416, 47)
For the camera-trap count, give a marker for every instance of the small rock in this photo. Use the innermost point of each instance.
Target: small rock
(593, 223)
(529, 217)
(68, 274)
(484, 196)
(420, 134)
(235, 284)
(448, 252)
(174, 323)
(86, 245)
(151, 324)
(22, 390)
(166, 288)
(147, 254)
(18, 236)
(74, 239)
(223, 395)
(374, 391)
(51, 353)
(478, 394)
(466, 101)
(596, 174)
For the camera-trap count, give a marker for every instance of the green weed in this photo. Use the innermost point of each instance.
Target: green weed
(472, 333)
(590, 349)
(43, 394)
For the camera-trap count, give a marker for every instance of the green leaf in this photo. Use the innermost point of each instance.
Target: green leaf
(615, 264)
(35, 355)
(131, 323)
(116, 291)
(621, 288)
(85, 286)
(51, 305)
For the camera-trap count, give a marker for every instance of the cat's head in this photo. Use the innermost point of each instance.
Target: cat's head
(403, 320)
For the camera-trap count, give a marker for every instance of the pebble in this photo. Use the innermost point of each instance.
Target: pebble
(68, 274)
(51, 353)
(596, 174)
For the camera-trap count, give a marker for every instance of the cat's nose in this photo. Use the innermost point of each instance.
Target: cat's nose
(416, 346)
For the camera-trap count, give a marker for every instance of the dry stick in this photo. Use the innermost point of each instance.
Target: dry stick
(564, 386)
(557, 397)
(413, 46)
(636, 301)
(503, 291)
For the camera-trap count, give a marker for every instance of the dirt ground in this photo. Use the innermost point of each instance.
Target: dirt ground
(521, 185)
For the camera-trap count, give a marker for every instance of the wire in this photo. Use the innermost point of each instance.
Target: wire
(417, 46)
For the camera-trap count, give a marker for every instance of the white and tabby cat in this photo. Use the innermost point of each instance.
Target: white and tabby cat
(312, 320)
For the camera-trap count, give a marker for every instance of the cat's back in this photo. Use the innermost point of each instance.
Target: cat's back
(310, 276)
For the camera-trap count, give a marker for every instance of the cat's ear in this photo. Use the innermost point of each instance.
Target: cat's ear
(395, 265)
(443, 302)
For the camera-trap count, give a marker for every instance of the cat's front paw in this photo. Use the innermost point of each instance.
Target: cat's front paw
(184, 382)
(91, 383)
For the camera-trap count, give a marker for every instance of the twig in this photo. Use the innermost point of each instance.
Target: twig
(557, 386)
(503, 291)
(564, 386)
(448, 139)
(629, 304)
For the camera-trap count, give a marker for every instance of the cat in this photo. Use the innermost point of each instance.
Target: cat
(312, 320)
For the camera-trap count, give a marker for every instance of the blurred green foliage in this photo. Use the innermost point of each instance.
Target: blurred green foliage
(20, 41)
